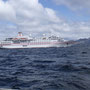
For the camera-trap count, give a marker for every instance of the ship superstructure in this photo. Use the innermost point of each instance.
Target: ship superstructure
(22, 41)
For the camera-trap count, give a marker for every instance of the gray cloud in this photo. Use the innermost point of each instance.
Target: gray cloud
(75, 4)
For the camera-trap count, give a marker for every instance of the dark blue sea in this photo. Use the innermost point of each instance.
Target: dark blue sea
(65, 68)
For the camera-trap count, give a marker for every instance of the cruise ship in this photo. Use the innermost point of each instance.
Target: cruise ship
(22, 41)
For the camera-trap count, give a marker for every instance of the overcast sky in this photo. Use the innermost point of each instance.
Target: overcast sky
(67, 18)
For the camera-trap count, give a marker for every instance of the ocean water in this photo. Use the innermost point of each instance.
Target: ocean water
(45, 68)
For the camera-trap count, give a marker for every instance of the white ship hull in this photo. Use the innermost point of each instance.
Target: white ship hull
(32, 46)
